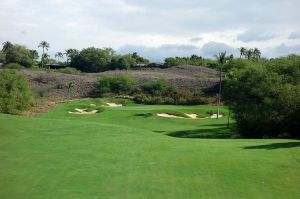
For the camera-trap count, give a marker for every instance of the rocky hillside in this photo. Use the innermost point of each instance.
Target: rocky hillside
(59, 86)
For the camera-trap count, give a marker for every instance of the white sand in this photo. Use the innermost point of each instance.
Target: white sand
(168, 115)
(80, 110)
(215, 116)
(192, 115)
(114, 104)
(83, 111)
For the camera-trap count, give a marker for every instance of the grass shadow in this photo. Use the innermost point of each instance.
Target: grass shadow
(143, 115)
(212, 133)
(275, 146)
(159, 131)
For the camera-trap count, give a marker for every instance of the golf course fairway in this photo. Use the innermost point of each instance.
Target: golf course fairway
(128, 152)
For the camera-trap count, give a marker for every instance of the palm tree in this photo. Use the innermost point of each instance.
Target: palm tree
(44, 45)
(221, 58)
(59, 55)
(242, 51)
(6, 45)
(34, 54)
(45, 58)
(256, 54)
(249, 54)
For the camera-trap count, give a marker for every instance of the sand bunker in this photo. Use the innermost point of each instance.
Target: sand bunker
(190, 115)
(83, 111)
(114, 104)
(168, 115)
(214, 116)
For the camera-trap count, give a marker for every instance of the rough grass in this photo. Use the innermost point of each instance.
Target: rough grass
(129, 152)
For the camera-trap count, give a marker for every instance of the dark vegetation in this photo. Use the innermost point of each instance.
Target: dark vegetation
(159, 91)
(265, 97)
(15, 92)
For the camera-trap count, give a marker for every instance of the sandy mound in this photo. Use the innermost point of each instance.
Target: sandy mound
(83, 111)
(168, 115)
(192, 115)
(215, 116)
(114, 104)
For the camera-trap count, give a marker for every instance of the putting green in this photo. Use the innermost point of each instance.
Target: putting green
(129, 152)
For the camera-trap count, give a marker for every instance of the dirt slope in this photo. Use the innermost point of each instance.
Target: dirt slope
(58, 86)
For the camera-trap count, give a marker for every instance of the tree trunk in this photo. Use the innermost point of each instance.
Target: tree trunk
(43, 59)
(220, 90)
(228, 121)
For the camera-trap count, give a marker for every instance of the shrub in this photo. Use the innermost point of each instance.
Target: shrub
(13, 66)
(160, 86)
(118, 84)
(266, 100)
(15, 92)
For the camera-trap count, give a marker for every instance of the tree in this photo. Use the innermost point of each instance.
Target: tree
(70, 54)
(93, 59)
(221, 58)
(46, 57)
(242, 51)
(266, 100)
(256, 54)
(18, 54)
(2, 56)
(44, 45)
(249, 54)
(59, 55)
(34, 54)
(6, 45)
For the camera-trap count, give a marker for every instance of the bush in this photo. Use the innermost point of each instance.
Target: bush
(15, 92)
(118, 84)
(13, 66)
(158, 87)
(266, 99)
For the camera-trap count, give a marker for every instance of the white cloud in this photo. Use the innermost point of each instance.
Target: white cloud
(151, 24)
(294, 35)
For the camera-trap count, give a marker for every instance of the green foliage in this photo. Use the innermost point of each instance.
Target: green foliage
(139, 59)
(93, 59)
(15, 92)
(19, 54)
(176, 61)
(123, 62)
(118, 84)
(70, 54)
(265, 98)
(13, 66)
(160, 86)
(2, 56)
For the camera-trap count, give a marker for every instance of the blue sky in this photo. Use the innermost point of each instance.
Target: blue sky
(156, 29)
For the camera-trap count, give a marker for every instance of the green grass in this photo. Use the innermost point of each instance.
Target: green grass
(128, 152)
